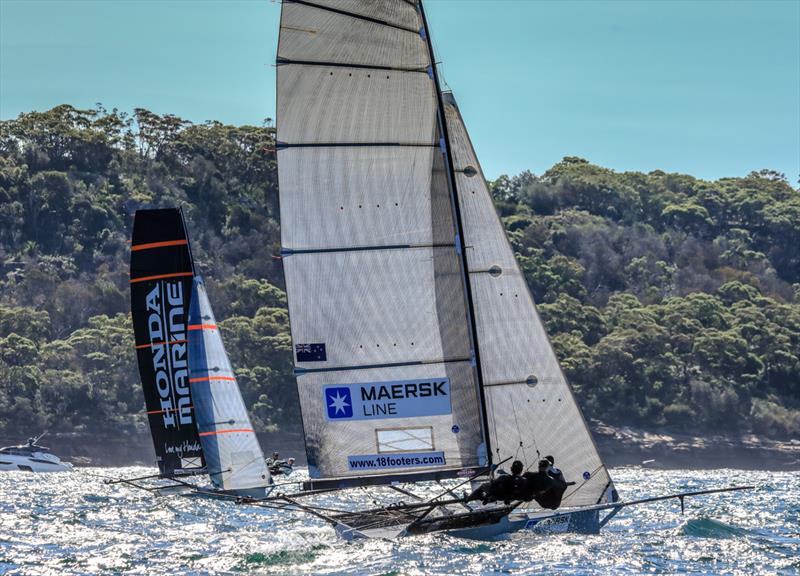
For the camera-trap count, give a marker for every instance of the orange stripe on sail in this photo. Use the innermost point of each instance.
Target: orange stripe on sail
(168, 410)
(137, 247)
(140, 346)
(202, 326)
(215, 432)
(207, 378)
(161, 276)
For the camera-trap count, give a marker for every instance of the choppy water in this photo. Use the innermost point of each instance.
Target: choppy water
(72, 523)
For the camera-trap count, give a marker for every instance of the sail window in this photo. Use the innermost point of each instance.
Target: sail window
(532, 380)
(404, 439)
(495, 271)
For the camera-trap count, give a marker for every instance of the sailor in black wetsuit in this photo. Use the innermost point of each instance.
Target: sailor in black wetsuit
(549, 474)
(504, 487)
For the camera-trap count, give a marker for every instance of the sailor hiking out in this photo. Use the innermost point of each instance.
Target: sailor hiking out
(546, 486)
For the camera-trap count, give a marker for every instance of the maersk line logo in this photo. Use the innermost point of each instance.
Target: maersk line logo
(339, 402)
(396, 399)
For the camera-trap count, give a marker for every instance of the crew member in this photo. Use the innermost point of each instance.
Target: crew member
(504, 487)
(551, 497)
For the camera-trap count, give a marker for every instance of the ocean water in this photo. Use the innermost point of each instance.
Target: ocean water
(73, 523)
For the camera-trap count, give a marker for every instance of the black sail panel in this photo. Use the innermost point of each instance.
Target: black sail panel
(161, 286)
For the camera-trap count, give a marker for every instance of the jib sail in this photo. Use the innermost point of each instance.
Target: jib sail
(531, 410)
(233, 455)
(380, 323)
(161, 285)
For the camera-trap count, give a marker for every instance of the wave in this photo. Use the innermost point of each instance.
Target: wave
(709, 528)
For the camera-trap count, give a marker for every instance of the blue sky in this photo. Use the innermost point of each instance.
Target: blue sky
(707, 88)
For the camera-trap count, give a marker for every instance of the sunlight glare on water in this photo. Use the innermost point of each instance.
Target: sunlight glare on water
(73, 523)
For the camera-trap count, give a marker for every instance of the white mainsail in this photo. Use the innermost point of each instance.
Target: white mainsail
(233, 454)
(398, 270)
(379, 318)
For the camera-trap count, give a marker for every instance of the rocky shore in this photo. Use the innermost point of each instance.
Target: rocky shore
(619, 446)
(624, 446)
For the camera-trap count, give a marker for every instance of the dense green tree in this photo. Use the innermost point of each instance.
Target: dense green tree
(669, 300)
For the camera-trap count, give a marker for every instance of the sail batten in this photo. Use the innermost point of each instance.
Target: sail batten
(416, 70)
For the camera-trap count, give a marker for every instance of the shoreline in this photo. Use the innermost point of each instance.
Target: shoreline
(668, 449)
(618, 446)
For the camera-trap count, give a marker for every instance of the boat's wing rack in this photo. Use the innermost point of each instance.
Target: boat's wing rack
(615, 507)
(401, 519)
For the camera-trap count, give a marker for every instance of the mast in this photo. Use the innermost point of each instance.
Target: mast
(384, 347)
(460, 244)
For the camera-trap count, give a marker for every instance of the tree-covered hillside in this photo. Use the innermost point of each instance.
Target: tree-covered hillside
(671, 301)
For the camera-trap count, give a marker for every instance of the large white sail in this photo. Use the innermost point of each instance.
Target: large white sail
(531, 410)
(379, 316)
(233, 455)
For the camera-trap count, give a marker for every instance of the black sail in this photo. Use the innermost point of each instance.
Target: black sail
(161, 286)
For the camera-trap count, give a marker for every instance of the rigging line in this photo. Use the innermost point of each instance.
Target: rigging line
(352, 15)
(582, 484)
(482, 472)
(516, 423)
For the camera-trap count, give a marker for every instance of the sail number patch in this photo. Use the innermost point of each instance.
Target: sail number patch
(379, 400)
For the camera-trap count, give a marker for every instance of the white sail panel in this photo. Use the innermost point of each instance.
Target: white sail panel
(378, 196)
(374, 281)
(400, 13)
(529, 403)
(311, 34)
(327, 104)
(335, 445)
(485, 247)
(233, 454)
(378, 306)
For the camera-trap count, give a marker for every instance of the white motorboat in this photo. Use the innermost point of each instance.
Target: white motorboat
(31, 457)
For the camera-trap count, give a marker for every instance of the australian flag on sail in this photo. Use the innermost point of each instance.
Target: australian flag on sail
(310, 352)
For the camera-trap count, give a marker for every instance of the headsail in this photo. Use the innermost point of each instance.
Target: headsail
(232, 452)
(383, 353)
(530, 406)
(161, 284)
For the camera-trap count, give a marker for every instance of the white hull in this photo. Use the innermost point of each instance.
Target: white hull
(37, 462)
